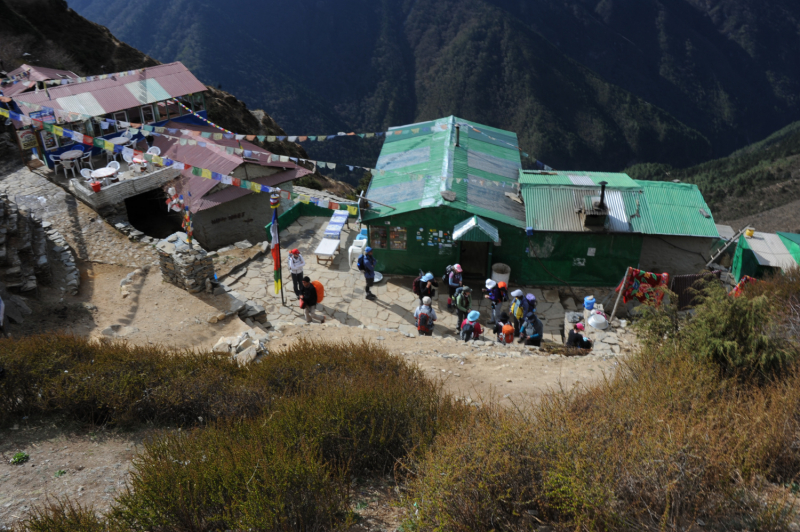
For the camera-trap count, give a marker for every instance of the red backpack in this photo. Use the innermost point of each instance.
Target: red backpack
(508, 333)
(424, 323)
(320, 290)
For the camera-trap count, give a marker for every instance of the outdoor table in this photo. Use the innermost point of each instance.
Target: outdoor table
(326, 251)
(335, 226)
(71, 154)
(119, 140)
(102, 173)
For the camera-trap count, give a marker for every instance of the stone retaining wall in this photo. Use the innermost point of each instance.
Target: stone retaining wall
(185, 265)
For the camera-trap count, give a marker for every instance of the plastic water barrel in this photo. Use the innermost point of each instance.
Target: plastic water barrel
(588, 302)
(501, 273)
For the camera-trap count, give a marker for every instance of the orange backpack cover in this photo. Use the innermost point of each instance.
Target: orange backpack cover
(508, 333)
(320, 290)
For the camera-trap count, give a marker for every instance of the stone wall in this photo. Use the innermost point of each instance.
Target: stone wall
(185, 265)
(24, 258)
(117, 193)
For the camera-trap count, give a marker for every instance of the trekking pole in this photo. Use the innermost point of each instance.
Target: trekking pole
(621, 289)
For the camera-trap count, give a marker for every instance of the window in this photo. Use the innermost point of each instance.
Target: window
(121, 116)
(173, 109)
(135, 115)
(112, 128)
(397, 238)
(377, 237)
(199, 103)
(148, 115)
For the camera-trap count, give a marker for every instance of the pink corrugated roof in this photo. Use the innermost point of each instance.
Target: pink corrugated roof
(204, 157)
(231, 193)
(111, 93)
(35, 73)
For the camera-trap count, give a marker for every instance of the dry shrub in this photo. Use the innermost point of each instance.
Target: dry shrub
(61, 515)
(288, 434)
(666, 443)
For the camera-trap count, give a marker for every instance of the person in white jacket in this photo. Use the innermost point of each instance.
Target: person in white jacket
(296, 263)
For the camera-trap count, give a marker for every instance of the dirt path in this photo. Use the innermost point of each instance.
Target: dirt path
(87, 465)
(511, 375)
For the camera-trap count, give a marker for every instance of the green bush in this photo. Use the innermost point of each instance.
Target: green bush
(738, 334)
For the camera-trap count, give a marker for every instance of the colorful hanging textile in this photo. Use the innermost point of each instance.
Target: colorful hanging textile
(276, 251)
(739, 288)
(642, 285)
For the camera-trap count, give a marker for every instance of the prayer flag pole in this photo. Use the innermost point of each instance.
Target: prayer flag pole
(621, 289)
(274, 203)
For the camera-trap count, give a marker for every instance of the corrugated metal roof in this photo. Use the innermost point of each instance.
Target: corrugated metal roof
(555, 201)
(562, 208)
(726, 232)
(572, 177)
(770, 250)
(421, 164)
(117, 93)
(230, 193)
(215, 160)
(677, 209)
(476, 229)
(35, 74)
(792, 243)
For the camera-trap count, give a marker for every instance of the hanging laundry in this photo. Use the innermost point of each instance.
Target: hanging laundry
(642, 285)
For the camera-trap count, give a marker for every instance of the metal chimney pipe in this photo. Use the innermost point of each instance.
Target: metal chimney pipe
(458, 136)
(603, 194)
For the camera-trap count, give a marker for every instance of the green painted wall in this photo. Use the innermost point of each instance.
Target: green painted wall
(564, 254)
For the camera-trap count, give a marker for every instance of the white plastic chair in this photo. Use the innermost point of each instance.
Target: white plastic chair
(127, 157)
(114, 165)
(69, 165)
(56, 159)
(155, 150)
(356, 249)
(86, 158)
(87, 174)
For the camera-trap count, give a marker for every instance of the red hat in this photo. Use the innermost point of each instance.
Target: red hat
(295, 251)
(501, 284)
(580, 326)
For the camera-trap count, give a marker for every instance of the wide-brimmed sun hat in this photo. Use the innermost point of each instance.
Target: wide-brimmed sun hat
(490, 284)
(474, 315)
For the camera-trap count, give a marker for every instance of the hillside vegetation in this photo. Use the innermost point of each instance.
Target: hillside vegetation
(699, 427)
(357, 65)
(759, 177)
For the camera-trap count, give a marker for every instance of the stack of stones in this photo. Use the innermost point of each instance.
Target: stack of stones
(185, 265)
(24, 261)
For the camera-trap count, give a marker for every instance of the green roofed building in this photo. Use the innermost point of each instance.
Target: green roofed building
(453, 191)
(765, 253)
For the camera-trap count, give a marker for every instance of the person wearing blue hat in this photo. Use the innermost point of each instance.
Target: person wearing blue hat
(366, 263)
(426, 286)
(470, 328)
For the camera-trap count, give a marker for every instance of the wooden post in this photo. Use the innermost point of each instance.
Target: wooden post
(621, 289)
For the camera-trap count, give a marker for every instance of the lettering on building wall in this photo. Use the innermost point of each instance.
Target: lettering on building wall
(227, 218)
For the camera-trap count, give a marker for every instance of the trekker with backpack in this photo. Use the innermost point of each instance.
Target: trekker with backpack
(577, 339)
(309, 299)
(454, 281)
(532, 332)
(425, 316)
(463, 304)
(426, 287)
(504, 330)
(517, 310)
(296, 263)
(366, 263)
(470, 328)
(494, 295)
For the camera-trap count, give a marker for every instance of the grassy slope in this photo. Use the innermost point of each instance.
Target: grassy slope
(760, 177)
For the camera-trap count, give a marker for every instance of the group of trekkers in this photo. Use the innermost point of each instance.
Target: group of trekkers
(519, 322)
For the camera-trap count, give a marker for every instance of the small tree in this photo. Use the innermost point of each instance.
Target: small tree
(739, 334)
